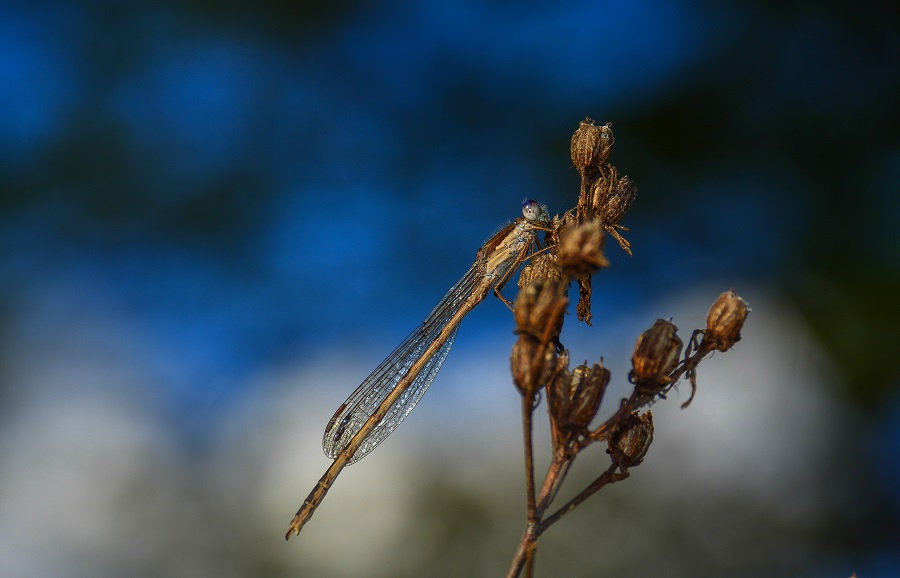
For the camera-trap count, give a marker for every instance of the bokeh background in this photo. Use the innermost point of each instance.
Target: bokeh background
(217, 217)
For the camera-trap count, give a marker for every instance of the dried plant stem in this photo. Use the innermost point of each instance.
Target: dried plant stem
(610, 476)
(525, 555)
(527, 415)
(555, 478)
(525, 552)
(556, 473)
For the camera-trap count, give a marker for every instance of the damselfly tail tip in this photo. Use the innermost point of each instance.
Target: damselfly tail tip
(292, 531)
(294, 528)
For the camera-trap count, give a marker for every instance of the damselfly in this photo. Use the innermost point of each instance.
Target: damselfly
(392, 390)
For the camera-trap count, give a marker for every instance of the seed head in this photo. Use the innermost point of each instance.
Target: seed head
(543, 266)
(539, 312)
(581, 249)
(725, 320)
(618, 202)
(602, 186)
(574, 402)
(532, 364)
(540, 307)
(591, 146)
(656, 354)
(631, 439)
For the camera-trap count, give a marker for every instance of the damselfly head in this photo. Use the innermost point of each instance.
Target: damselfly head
(534, 211)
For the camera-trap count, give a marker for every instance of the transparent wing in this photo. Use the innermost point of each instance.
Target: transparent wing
(363, 402)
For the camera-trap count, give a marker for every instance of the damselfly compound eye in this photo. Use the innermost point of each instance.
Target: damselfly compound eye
(533, 211)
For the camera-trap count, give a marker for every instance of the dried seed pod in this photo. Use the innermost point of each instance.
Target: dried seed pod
(618, 201)
(539, 312)
(631, 439)
(602, 187)
(656, 354)
(540, 307)
(560, 435)
(725, 320)
(587, 386)
(580, 249)
(574, 402)
(532, 364)
(557, 396)
(585, 291)
(543, 266)
(591, 146)
(556, 402)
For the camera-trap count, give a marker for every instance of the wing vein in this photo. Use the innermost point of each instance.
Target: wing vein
(375, 388)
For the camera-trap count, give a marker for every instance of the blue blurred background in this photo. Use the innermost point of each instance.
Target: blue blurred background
(217, 217)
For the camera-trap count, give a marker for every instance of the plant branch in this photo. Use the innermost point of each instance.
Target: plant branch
(608, 477)
(527, 414)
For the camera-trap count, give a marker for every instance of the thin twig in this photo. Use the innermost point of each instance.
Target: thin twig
(608, 477)
(524, 551)
(567, 465)
(529, 537)
(527, 414)
(554, 472)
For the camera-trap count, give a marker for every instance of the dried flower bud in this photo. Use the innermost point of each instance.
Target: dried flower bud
(618, 201)
(561, 377)
(539, 312)
(585, 394)
(574, 401)
(591, 146)
(656, 354)
(585, 291)
(540, 307)
(532, 364)
(725, 320)
(580, 249)
(601, 187)
(543, 266)
(631, 439)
